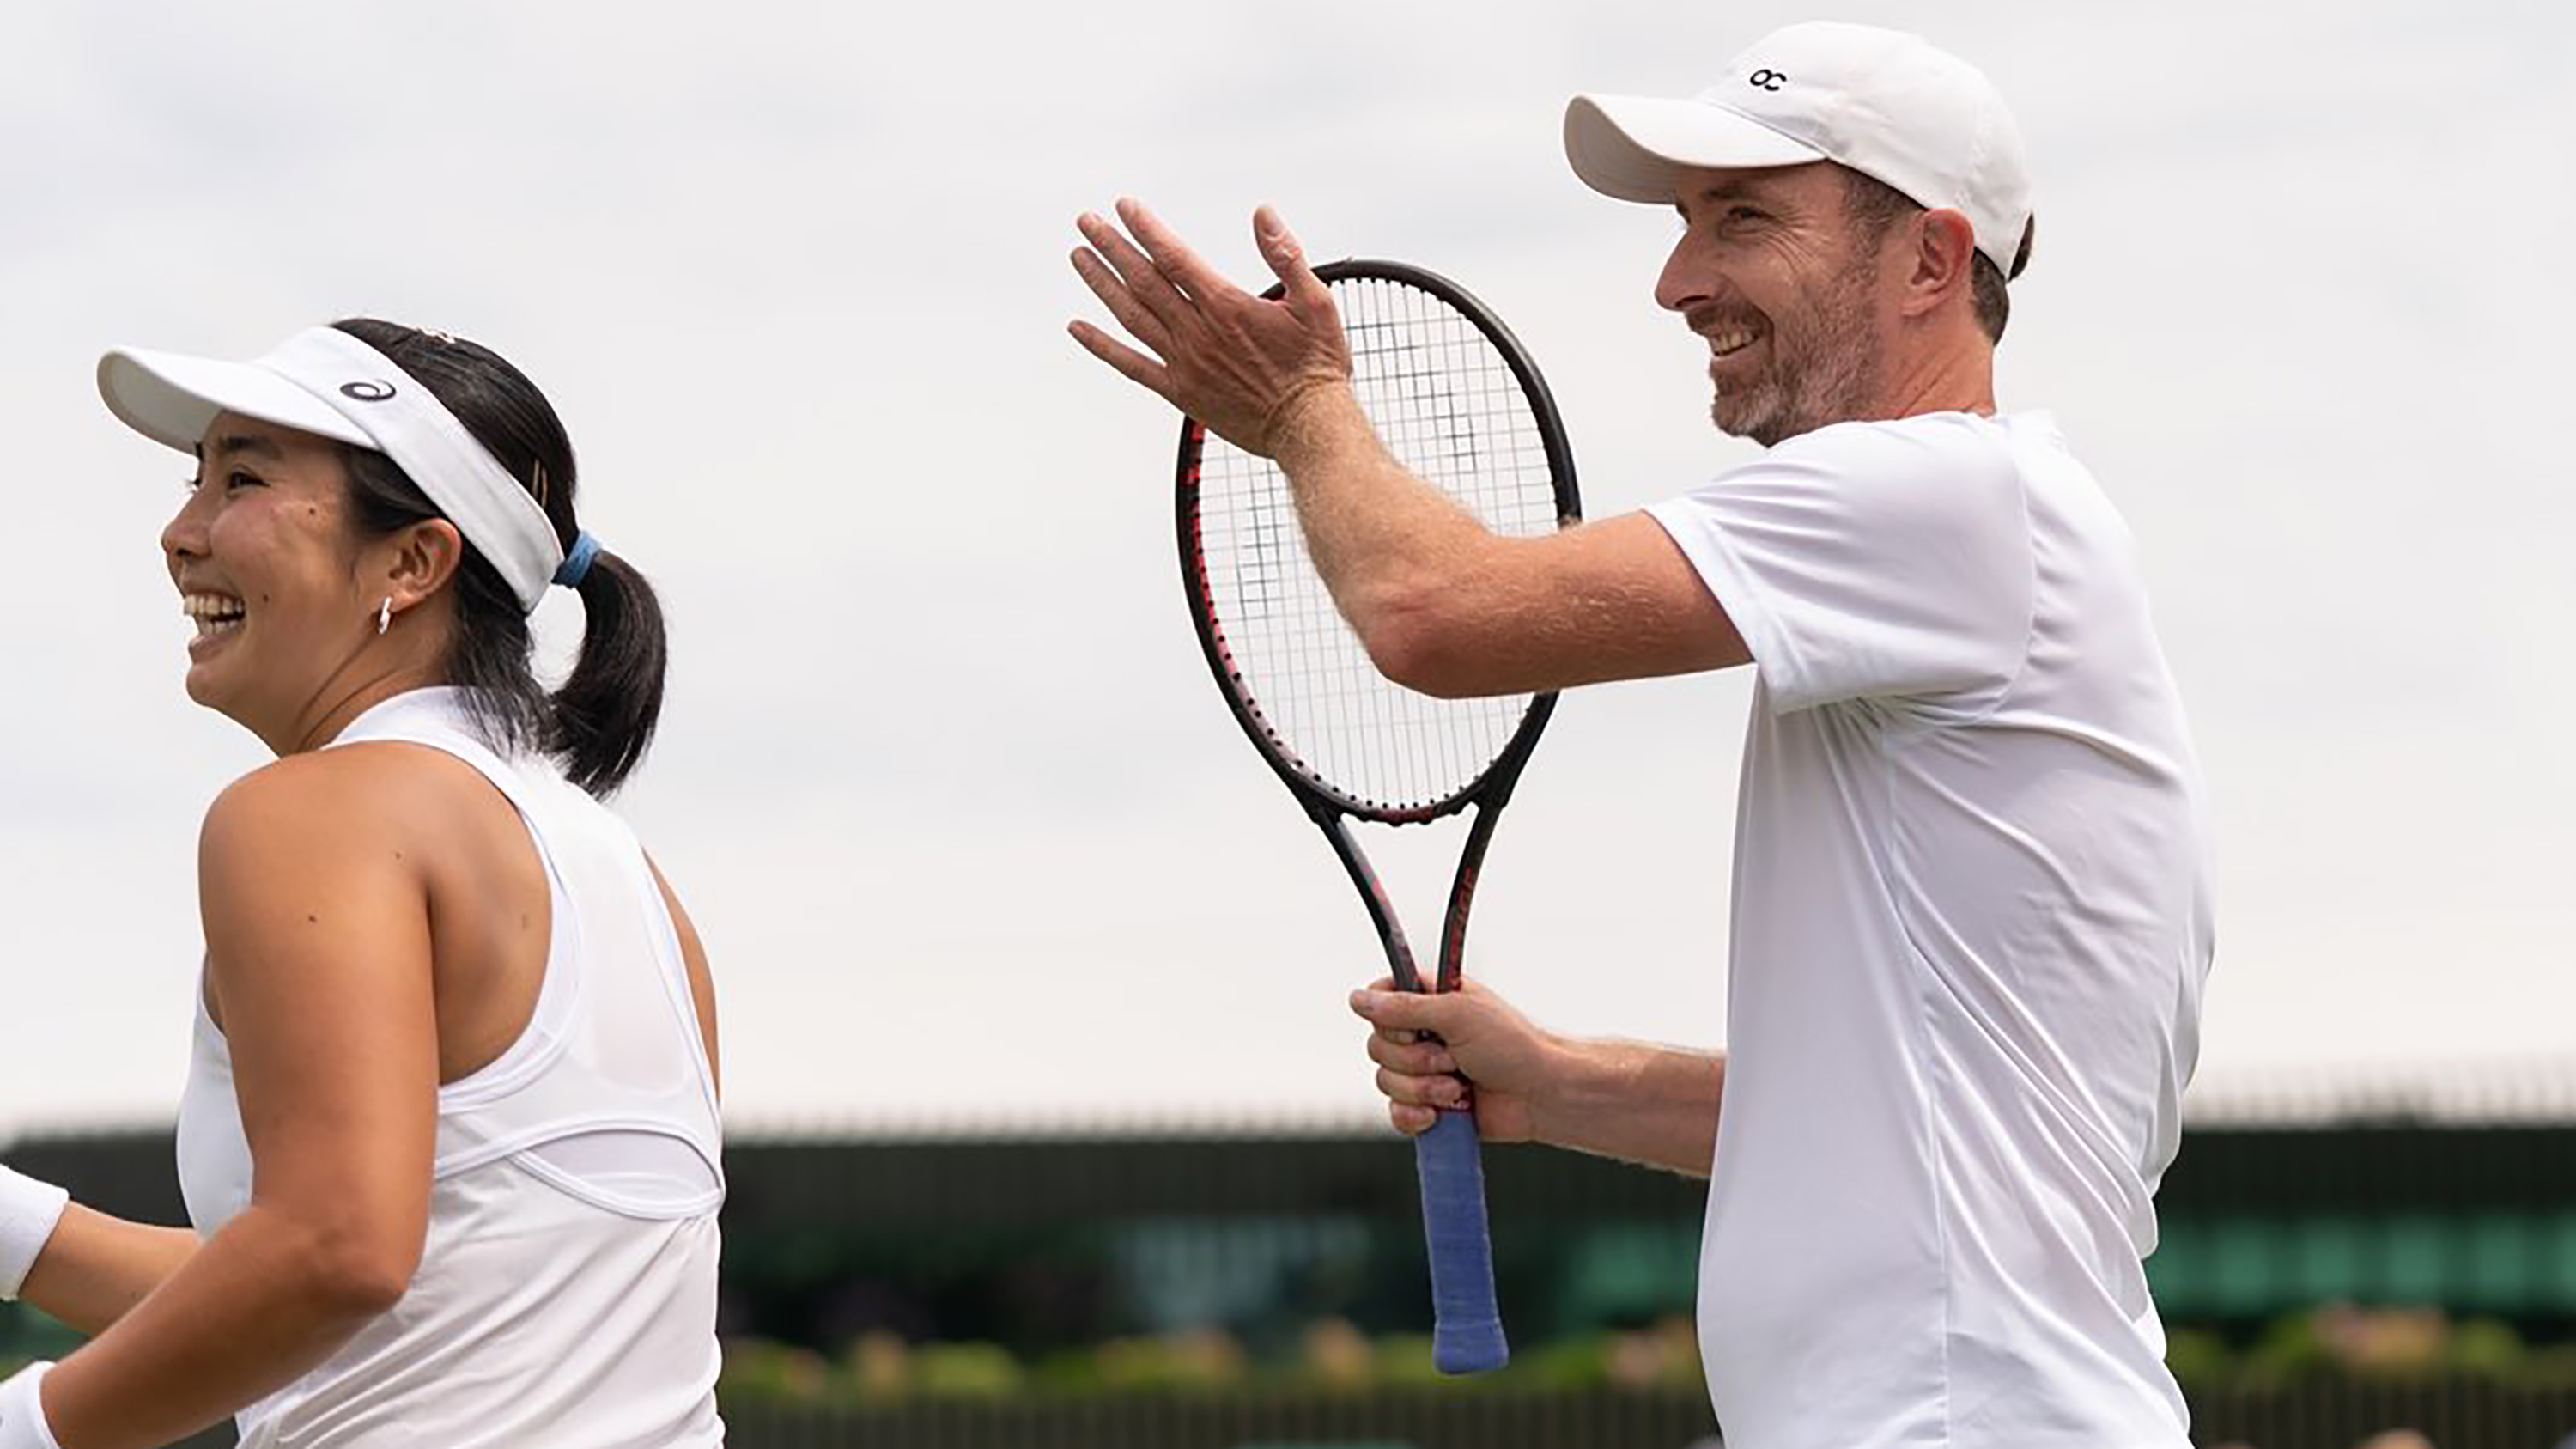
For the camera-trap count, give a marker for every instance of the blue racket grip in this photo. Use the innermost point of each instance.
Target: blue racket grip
(1467, 1328)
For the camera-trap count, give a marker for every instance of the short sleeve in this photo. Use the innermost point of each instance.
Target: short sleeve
(1886, 561)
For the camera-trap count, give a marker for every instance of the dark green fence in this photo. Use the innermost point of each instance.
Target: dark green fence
(1041, 1246)
(2322, 1413)
(1040, 1242)
(2309, 1414)
(2316, 1413)
(2340, 1412)
(1427, 1418)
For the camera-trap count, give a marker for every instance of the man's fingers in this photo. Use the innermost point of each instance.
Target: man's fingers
(1151, 286)
(1410, 1120)
(1306, 292)
(1170, 255)
(1415, 1074)
(1364, 1006)
(1135, 366)
(1416, 1011)
(1141, 323)
(1421, 1091)
(1123, 278)
(1404, 1051)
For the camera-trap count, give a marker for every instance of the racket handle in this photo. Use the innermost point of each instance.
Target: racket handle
(1467, 1327)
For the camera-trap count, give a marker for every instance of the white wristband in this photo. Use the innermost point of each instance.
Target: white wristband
(22, 1414)
(29, 1212)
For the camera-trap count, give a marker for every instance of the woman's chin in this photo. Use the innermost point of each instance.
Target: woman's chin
(210, 662)
(206, 683)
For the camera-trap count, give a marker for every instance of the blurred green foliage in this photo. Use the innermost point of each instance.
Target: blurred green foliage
(2337, 1342)
(1331, 1355)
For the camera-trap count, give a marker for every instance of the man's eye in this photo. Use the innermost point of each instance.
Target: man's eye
(1746, 213)
(239, 479)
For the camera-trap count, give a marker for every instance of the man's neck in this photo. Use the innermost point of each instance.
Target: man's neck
(1947, 379)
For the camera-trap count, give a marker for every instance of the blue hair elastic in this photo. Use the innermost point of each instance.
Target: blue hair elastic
(576, 562)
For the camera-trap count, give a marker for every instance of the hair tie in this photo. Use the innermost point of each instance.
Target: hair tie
(577, 559)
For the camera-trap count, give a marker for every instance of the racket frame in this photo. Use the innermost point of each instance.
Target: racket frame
(1470, 1330)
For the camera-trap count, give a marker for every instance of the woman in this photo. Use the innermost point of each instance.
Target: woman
(450, 1135)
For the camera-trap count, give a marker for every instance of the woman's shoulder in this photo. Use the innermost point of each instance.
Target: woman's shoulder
(374, 789)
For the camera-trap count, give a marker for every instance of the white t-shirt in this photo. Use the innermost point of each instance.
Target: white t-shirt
(1971, 927)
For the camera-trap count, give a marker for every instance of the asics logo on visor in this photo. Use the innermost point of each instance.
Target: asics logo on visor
(367, 391)
(1768, 79)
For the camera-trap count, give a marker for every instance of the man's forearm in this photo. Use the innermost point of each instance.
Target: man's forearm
(1639, 1103)
(1381, 537)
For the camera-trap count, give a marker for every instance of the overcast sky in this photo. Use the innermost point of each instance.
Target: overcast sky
(942, 777)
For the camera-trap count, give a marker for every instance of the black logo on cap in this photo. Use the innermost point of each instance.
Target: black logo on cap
(1769, 79)
(367, 391)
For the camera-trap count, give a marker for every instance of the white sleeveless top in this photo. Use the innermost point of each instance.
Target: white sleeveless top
(567, 1293)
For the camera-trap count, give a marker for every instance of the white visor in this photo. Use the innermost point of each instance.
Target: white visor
(326, 382)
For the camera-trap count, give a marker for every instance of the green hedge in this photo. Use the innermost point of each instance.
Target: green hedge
(2243, 1264)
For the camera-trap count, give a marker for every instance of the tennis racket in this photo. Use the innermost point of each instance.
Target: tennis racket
(1460, 404)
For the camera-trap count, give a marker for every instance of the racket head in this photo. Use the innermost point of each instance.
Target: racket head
(1461, 405)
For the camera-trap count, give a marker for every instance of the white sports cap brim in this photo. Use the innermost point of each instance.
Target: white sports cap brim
(330, 383)
(172, 398)
(1633, 147)
(1884, 103)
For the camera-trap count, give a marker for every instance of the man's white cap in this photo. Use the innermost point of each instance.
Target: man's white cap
(1884, 103)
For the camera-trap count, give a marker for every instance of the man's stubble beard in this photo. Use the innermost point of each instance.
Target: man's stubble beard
(1830, 377)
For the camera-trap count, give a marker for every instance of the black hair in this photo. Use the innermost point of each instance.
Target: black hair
(1874, 206)
(599, 723)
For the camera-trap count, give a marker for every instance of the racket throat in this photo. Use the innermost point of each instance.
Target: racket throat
(1381, 911)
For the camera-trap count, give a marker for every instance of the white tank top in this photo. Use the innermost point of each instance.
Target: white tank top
(567, 1293)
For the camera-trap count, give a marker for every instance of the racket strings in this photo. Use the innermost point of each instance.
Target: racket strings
(1452, 411)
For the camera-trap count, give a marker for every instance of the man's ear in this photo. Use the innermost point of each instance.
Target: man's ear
(1942, 260)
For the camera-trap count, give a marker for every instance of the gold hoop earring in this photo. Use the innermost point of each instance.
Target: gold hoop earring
(385, 614)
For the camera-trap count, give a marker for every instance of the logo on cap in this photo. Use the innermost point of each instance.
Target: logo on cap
(367, 391)
(1768, 79)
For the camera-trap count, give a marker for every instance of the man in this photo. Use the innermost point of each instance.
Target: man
(1971, 918)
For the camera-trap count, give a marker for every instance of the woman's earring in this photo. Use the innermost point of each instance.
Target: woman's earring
(385, 614)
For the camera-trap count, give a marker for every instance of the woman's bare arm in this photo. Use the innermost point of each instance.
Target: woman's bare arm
(318, 955)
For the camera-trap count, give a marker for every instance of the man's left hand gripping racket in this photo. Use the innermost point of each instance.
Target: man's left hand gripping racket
(1461, 405)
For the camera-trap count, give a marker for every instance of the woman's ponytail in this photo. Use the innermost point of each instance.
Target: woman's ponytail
(599, 723)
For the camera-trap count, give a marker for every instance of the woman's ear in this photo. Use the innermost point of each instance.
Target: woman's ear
(422, 557)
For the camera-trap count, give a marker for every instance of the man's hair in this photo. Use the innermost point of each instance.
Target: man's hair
(1874, 207)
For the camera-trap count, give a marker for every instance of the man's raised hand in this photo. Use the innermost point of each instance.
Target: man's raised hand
(1237, 362)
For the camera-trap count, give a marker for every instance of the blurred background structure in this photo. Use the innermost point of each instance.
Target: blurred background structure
(2336, 1264)
(794, 275)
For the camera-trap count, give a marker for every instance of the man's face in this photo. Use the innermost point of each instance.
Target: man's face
(1771, 271)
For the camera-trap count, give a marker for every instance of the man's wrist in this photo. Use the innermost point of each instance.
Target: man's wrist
(30, 1210)
(1601, 1094)
(1567, 1089)
(22, 1410)
(1309, 418)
